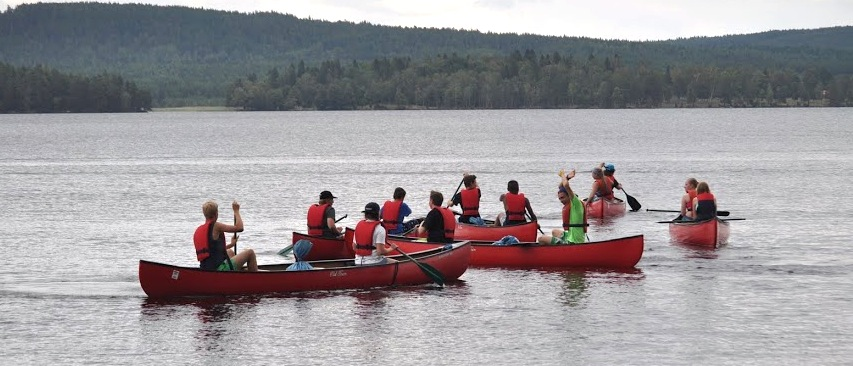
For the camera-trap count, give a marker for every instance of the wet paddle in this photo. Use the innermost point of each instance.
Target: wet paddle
(427, 269)
(286, 250)
(635, 205)
(689, 221)
(719, 213)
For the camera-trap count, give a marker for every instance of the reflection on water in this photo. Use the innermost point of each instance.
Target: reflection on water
(697, 251)
(576, 282)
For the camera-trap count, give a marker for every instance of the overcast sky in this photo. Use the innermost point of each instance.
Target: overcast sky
(606, 19)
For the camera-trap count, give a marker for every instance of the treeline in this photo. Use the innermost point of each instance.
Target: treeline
(44, 90)
(530, 80)
(188, 56)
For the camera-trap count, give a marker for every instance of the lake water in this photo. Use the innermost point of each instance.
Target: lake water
(86, 196)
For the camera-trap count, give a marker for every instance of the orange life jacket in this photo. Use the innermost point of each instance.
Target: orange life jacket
(692, 194)
(470, 201)
(605, 188)
(515, 206)
(316, 219)
(390, 214)
(363, 239)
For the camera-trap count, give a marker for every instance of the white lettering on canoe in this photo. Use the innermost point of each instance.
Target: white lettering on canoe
(337, 273)
(175, 274)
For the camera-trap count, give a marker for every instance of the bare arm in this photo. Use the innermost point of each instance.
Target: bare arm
(529, 209)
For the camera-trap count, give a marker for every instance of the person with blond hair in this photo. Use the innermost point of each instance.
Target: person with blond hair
(209, 240)
(687, 199)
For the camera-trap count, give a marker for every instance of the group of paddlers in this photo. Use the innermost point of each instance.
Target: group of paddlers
(439, 224)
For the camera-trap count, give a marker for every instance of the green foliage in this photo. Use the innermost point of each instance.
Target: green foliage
(189, 56)
(43, 90)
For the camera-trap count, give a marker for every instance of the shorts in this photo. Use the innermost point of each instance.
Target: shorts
(224, 266)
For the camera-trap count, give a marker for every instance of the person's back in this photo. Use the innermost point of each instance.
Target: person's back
(393, 213)
(469, 199)
(515, 205)
(439, 224)
(369, 238)
(705, 205)
(321, 217)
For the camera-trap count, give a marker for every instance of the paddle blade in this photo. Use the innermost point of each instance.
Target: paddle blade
(284, 252)
(635, 205)
(432, 273)
(723, 213)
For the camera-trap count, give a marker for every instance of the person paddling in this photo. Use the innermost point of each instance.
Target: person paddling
(601, 187)
(608, 170)
(515, 206)
(687, 199)
(439, 224)
(321, 217)
(209, 241)
(705, 204)
(573, 214)
(369, 239)
(394, 212)
(469, 199)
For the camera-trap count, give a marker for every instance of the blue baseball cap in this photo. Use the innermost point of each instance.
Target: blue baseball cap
(609, 167)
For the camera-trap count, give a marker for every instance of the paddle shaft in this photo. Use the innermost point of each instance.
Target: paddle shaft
(719, 213)
(689, 221)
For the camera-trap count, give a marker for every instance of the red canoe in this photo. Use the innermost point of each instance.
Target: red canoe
(323, 248)
(606, 208)
(614, 253)
(709, 233)
(525, 232)
(163, 280)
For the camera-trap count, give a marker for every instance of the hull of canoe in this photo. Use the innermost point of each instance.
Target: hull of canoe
(709, 233)
(615, 253)
(604, 208)
(163, 280)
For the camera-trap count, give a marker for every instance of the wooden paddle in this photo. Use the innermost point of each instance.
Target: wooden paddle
(719, 213)
(286, 250)
(427, 269)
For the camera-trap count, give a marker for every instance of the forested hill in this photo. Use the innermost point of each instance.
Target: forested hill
(189, 56)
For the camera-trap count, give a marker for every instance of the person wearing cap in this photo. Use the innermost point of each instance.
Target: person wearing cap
(469, 199)
(573, 213)
(209, 241)
(393, 213)
(300, 251)
(321, 217)
(439, 224)
(687, 199)
(515, 206)
(369, 239)
(608, 171)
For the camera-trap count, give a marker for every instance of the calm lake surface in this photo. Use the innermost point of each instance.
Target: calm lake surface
(87, 196)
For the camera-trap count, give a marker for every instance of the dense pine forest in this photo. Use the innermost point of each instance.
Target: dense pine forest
(44, 90)
(270, 61)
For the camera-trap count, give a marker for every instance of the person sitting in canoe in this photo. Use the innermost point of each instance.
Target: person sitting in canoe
(209, 241)
(321, 217)
(601, 187)
(300, 251)
(705, 204)
(515, 206)
(439, 224)
(687, 199)
(369, 239)
(394, 212)
(608, 170)
(469, 199)
(573, 213)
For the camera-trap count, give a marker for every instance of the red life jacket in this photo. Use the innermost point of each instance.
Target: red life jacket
(567, 212)
(364, 237)
(515, 206)
(316, 219)
(705, 206)
(449, 222)
(390, 214)
(605, 188)
(470, 201)
(202, 240)
(692, 194)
